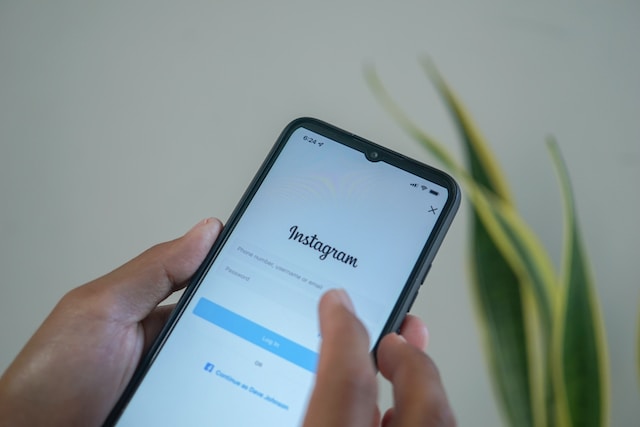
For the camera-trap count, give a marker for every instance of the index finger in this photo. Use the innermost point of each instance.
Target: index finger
(345, 392)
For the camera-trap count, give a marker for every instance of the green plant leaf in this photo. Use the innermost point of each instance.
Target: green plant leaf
(537, 279)
(505, 256)
(544, 336)
(501, 286)
(484, 168)
(496, 287)
(581, 352)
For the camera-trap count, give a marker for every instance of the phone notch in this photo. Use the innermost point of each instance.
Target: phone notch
(373, 155)
(370, 150)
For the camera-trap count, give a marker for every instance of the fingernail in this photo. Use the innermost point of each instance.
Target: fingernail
(200, 223)
(206, 221)
(401, 338)
(207, 225)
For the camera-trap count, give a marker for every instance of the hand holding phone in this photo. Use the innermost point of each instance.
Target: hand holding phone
(345, 390)
(36, 390)
(327, 210)
(76, 364)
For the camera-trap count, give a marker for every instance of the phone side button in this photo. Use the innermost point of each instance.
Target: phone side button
(424, 275)
(413, 299)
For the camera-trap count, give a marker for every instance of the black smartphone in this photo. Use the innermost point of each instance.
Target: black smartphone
(327, 209)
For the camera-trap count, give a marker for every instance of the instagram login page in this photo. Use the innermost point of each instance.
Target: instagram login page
(245, 350)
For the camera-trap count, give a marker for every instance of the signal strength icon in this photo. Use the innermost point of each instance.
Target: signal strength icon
(414, 184)
(424, 187)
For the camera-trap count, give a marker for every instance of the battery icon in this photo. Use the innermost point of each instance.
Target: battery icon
(434, 192)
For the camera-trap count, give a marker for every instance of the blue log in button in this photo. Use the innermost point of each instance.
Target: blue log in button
(256, 334)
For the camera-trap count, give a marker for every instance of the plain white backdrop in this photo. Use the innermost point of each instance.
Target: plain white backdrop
(123, 123)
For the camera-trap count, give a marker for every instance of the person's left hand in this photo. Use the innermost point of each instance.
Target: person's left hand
(74, 368)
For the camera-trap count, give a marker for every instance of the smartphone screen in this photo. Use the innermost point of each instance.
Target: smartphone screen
(327, 210)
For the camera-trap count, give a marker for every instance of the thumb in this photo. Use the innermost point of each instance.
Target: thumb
(138, 286)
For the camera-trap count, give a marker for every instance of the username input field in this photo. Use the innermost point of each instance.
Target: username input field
(288, 284)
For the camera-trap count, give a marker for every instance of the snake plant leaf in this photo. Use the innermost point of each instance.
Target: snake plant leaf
(501, 308)
(544, 335)
(498, 216)
(483, 165)
(496, 286)
(581, 356)
(521, 249)
(501, 298)
(486, 173)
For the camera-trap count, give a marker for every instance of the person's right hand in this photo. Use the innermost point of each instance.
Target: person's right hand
(345, 393)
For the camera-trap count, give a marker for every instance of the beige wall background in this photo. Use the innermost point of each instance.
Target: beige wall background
(123, 123)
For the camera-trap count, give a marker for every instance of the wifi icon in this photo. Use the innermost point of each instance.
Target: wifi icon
(424, 187)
